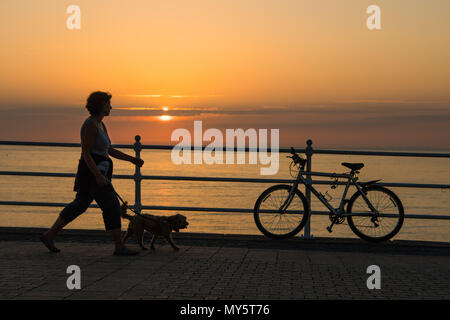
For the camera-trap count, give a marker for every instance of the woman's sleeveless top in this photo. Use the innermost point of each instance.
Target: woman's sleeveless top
(102, 142)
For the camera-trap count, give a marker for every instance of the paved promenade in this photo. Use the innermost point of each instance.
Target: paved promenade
(221, 267)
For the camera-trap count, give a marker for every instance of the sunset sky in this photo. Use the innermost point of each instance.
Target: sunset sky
(309, 68)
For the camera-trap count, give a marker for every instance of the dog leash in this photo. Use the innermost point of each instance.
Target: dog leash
(125, 204)
(102, 166)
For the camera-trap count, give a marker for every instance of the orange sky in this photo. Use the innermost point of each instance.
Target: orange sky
(310, 68)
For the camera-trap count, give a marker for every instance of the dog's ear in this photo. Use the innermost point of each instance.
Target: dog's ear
(173, 222)
(182, 219)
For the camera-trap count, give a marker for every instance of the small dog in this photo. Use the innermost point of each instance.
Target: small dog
(156, 225)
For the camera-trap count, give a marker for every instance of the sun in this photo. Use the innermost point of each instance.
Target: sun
(165, 118)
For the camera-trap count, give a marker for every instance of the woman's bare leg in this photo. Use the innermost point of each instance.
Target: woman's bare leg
(53, 231)
(117, 237)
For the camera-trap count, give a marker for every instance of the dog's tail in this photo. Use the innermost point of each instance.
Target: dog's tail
(123, 209)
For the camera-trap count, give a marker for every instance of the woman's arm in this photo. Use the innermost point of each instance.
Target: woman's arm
(88, 137)
(122, 156)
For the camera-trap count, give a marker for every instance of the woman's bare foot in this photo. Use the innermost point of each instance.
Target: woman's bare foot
(49, 244)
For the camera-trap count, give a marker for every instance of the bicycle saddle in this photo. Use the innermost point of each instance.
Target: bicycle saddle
(353, 166)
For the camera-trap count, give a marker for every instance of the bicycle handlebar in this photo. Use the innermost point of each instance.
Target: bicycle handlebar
(297, 158)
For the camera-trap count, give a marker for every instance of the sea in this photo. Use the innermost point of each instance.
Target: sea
(217, 194)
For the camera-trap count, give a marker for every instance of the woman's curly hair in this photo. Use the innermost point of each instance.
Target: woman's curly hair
(96, 101)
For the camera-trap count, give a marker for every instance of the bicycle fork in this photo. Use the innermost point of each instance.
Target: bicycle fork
(288, 200)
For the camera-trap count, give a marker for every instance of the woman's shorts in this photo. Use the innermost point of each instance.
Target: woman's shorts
(106, 200)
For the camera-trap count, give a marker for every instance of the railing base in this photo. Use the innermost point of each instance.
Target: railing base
(307, 237)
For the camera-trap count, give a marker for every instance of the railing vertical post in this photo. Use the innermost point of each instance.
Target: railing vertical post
(137, 176)
(309, 152)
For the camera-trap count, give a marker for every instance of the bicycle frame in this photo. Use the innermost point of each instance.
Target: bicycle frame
(340, 211)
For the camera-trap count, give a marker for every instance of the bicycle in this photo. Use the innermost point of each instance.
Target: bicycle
(374, 213)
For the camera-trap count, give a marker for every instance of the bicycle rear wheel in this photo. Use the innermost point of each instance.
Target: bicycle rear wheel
(382, 226)
(271, 221)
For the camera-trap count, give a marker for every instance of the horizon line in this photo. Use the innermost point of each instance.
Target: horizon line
(165, 146)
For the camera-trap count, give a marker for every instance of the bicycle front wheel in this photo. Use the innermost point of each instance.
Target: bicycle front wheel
(274, 223)
(381, 225)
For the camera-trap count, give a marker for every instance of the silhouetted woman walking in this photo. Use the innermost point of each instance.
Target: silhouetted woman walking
(94, 168)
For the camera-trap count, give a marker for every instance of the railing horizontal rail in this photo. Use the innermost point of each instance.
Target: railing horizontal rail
(54, 174)
(247, 149)
(259, 180)
(222, 179)
(199, 209)
(384, 153)
(40, 144)
(38, 204)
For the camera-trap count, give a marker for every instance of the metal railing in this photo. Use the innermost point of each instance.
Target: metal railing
(138, 177)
